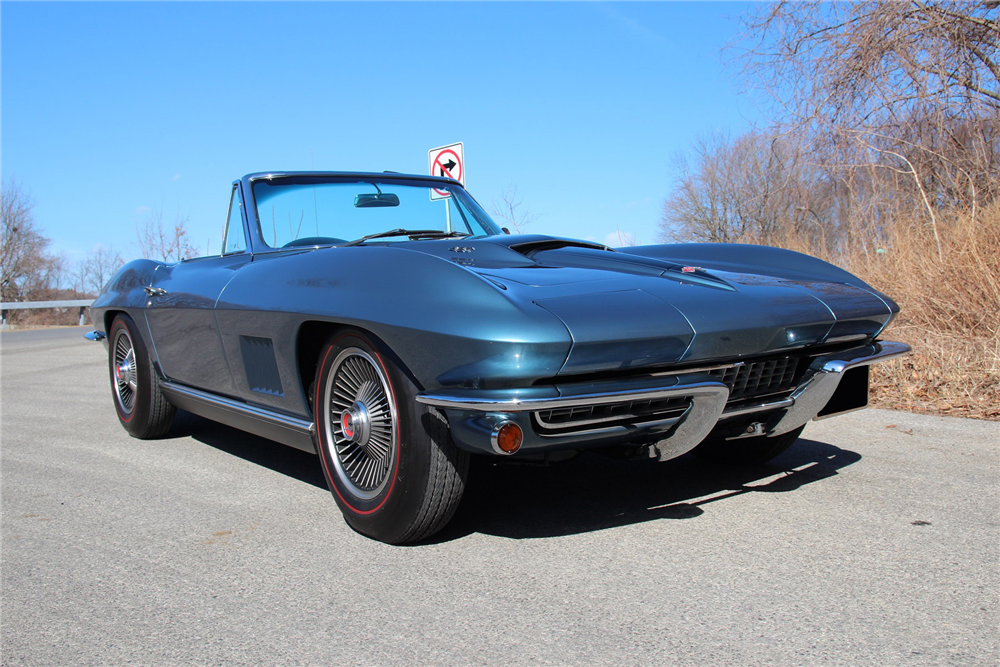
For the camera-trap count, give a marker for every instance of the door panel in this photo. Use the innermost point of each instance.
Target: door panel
(183, 324)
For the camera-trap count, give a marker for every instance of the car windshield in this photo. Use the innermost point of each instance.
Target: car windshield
(303, 211)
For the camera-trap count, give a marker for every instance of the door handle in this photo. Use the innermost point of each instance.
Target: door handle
(155, 291)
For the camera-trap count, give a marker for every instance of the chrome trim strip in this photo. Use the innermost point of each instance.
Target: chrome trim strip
(468, 400)
(619, 428)
(702, 369)
(757, 407)
(601, 420)
(842, 361)
(263, 414)
(845, 339)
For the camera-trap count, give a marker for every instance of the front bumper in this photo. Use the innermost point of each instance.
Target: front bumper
(475, 413)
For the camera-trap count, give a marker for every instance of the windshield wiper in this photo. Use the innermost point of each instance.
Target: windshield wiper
(414, 234)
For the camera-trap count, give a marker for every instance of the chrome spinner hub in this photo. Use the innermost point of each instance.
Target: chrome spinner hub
(125, 374)
(356, 424)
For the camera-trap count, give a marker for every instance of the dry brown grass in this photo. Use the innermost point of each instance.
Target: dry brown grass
(950, 314)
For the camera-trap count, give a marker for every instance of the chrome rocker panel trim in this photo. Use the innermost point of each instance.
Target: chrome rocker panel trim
(266, 423)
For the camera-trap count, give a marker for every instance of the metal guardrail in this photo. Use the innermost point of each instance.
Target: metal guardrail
(82, 304)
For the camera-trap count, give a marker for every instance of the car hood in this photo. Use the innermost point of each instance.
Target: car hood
(626, 310)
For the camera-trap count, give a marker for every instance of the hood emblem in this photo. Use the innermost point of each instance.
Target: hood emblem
(689, 269)
(459, 248)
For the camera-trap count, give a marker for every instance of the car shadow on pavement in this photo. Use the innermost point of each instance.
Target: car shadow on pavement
(289, 461)
(593, 492)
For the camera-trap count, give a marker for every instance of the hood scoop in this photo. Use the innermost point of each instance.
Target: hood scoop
(537, 244)
(605, 259)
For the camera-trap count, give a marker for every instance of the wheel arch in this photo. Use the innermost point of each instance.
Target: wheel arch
(314, 334)
(111, 314)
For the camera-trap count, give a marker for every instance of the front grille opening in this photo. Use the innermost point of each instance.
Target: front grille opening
(606, 414)
(750, 382)
(754, 379)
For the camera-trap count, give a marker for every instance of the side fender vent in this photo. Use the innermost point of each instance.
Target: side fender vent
(260, 365)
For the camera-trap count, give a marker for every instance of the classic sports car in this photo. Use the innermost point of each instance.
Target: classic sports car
(387, 324)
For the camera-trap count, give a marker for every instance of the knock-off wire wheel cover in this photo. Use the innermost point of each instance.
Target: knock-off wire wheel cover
(360, 423)
(124, 369)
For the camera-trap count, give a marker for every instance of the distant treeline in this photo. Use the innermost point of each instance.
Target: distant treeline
(882, 156)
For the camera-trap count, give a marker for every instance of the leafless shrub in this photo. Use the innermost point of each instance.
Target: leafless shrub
(507, 208)
(950, 315)
(168, 243)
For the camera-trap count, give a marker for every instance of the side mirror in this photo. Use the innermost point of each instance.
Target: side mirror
(505, 230)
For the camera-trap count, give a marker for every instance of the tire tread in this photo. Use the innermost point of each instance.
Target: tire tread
(445, 482)
(153, 415)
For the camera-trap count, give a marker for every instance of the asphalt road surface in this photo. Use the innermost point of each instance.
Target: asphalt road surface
(872, 542)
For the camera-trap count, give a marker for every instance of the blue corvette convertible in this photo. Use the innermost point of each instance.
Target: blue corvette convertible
(387, 324)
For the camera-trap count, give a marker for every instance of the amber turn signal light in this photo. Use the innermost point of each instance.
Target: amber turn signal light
(507, 438)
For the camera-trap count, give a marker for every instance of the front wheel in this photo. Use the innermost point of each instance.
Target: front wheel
(141, 407)
(746, 451)
(389, 461)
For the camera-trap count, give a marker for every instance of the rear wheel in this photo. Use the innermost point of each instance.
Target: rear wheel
(746, 451)
(389, 461)
(141, 407)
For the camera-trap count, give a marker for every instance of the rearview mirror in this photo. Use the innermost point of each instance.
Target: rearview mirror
(376, 201)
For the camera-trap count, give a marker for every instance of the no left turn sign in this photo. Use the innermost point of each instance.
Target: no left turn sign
(447, 161)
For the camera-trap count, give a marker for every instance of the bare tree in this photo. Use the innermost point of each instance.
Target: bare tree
(625, 239)
(98, 267)
(25, 265)
(164, 243)
(866, 63)
(756, 188)
(914, 83)
(507, 207)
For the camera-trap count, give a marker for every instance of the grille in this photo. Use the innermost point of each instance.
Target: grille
(758, 378)
(662, 408)
(746, 381)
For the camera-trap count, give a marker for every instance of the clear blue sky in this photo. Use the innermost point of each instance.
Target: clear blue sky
(112, 109)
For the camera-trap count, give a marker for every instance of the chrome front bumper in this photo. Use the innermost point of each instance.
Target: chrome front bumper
(823, 378)
(473, 413)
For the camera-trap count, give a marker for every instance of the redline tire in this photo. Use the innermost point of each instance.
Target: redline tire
(141, 408)
(746, 451)
(389, 461)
